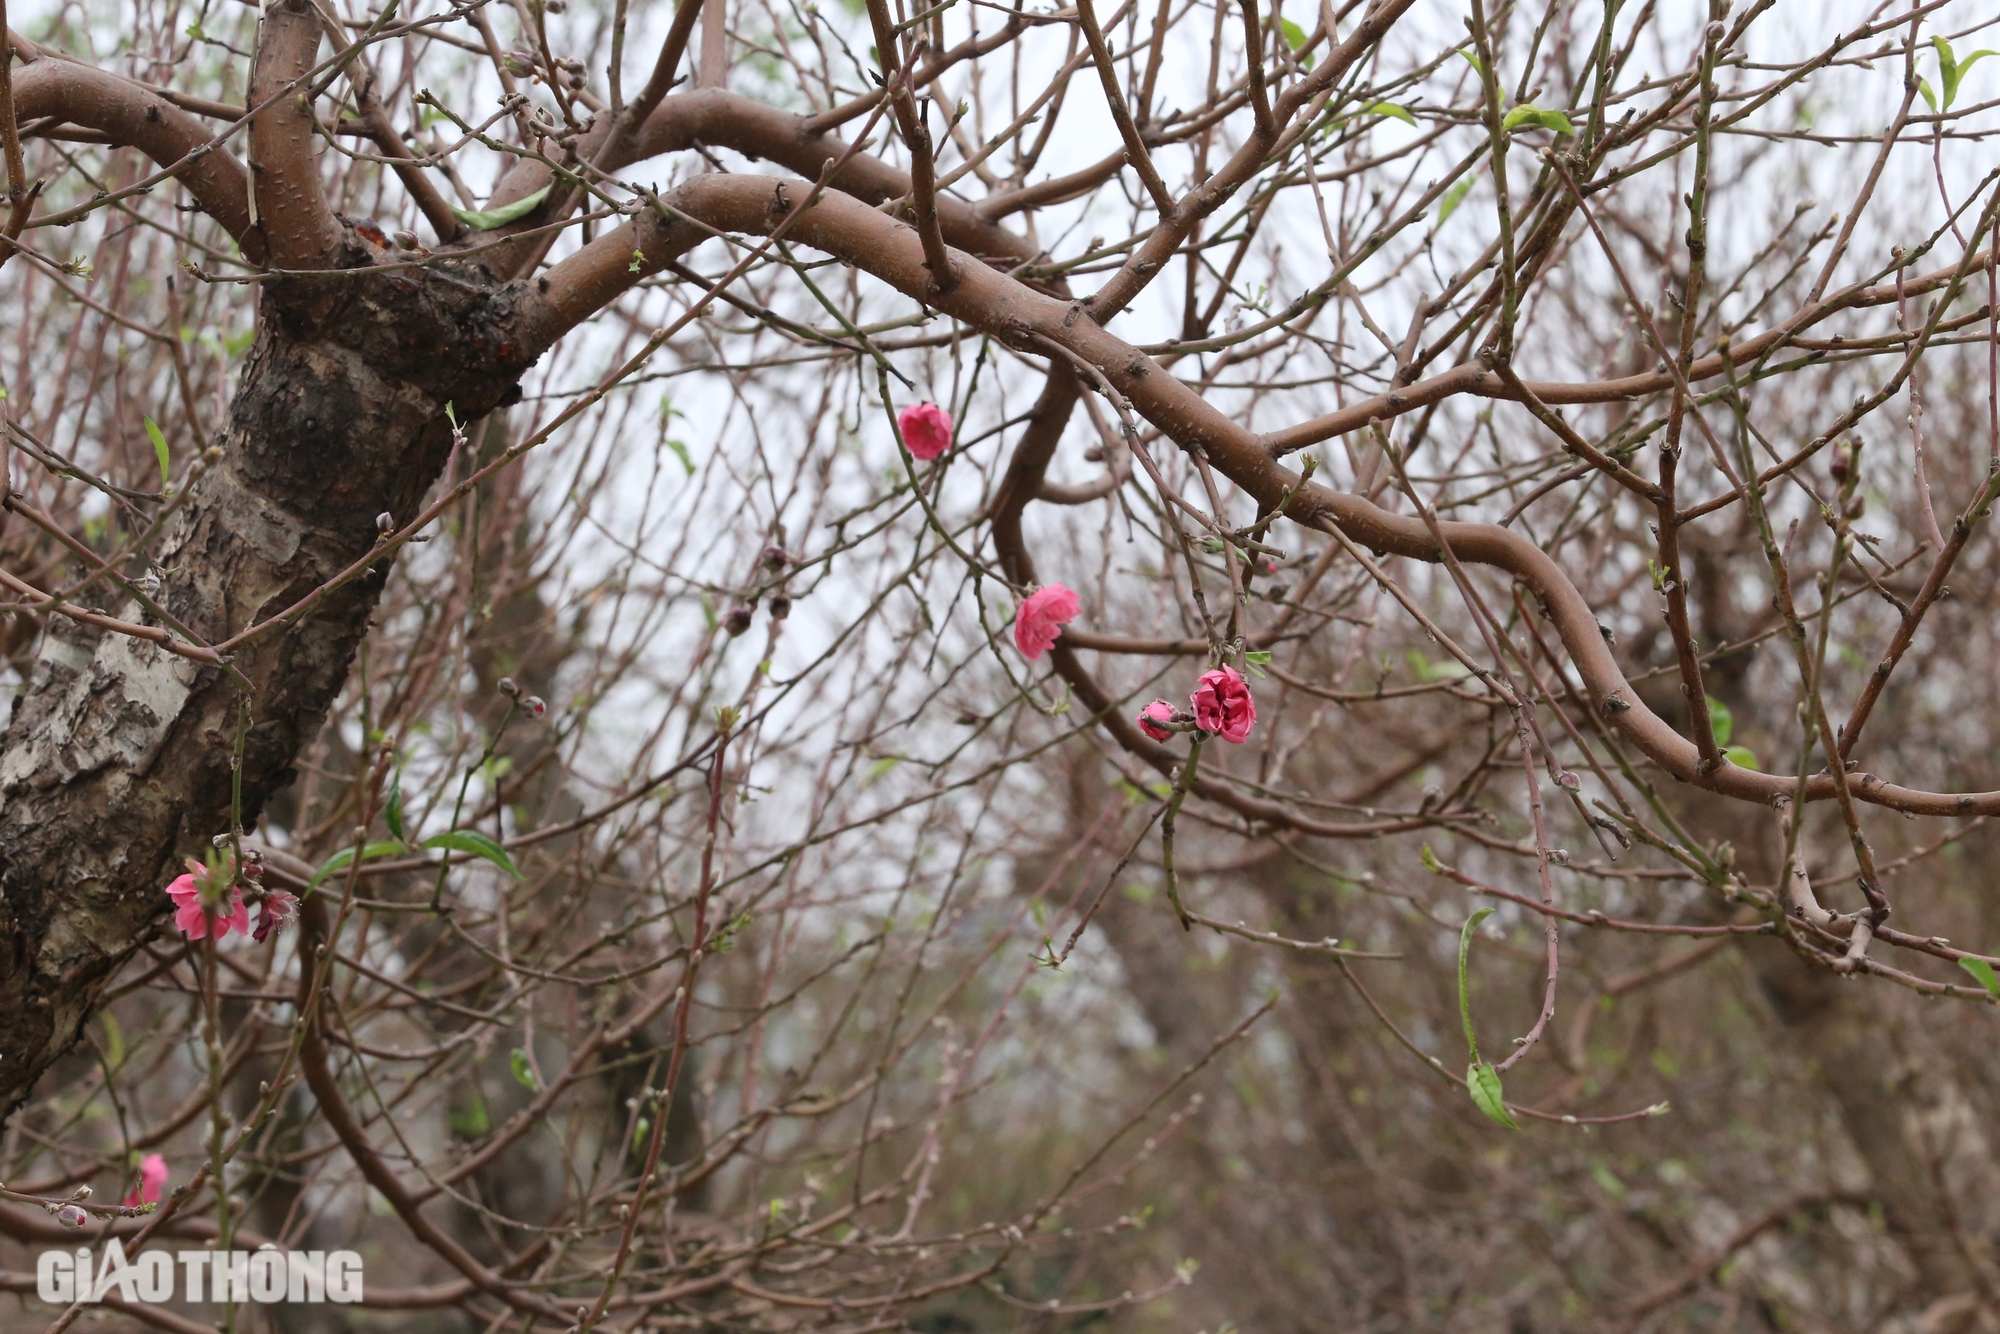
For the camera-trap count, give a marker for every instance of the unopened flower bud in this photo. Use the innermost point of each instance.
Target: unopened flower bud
(71, 1216)
(536, 705)
(781, 607)
(737, 621)
(385, 523)
(775, 557)
(405, 240)
(505, 685)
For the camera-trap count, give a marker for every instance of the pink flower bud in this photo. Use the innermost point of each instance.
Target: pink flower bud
(1222, 705)
(536, 705)
(1153, 719)
(71, 1216)
(926, 429)
(1041, 618)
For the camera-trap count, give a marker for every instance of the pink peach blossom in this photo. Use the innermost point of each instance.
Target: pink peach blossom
(1222, 705)
(926, 430)
(1041, 619)
(152, 1180)
(192, 921)
(1153, 719)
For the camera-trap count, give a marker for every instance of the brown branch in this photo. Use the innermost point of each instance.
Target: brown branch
(288, 203)
(1148, 259)
(382, 131)
(917, 138)
(1009, 310)
(129, 114)
(1475, 378)
(1121, 115)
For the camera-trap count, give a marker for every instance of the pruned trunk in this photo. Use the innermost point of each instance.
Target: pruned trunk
(116, 762)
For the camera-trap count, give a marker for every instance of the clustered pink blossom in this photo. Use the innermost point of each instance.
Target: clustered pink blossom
(210, 897)
(152, 1180)
(1041, 618)
(1222, 707)
(926, 429)
(192, 916)
(1222, 704)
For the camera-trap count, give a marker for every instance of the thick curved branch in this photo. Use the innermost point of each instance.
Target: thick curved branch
(299, 228)
(720, 119)
(129, 114)
(1014, 313)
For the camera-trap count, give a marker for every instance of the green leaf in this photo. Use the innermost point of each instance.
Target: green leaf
(1930, 98)
(1720, 721)
(474, 1121)
(524, 1074)
(1473, 60)
(1482, 1081)
(386, 847)
(1957, 79)
(681, 453)
(1741, 756)
(159, 439)
(1295, 37)
(1432, 864)
(487, 219)
(1528, 115)
(640, 1131)
(1948, 71)
(393, 813)
(114, 1038)
(476, 843)
(1452, 199)
(1982, 970)
(1464, 992)
(1391, 109)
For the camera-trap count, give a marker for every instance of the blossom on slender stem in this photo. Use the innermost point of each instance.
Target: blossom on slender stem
(152, 1180)
(1222, 705)
(196, 905)
(1041, 618)
(1153, 719)
(926, 429)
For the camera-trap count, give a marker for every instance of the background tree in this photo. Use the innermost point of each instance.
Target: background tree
(469, 472)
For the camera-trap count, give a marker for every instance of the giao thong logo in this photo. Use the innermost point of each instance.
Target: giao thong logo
(265, 1275)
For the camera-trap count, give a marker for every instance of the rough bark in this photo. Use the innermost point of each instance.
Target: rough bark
(117, 759)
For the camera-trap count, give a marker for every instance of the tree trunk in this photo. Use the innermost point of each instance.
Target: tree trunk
(117, 759)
